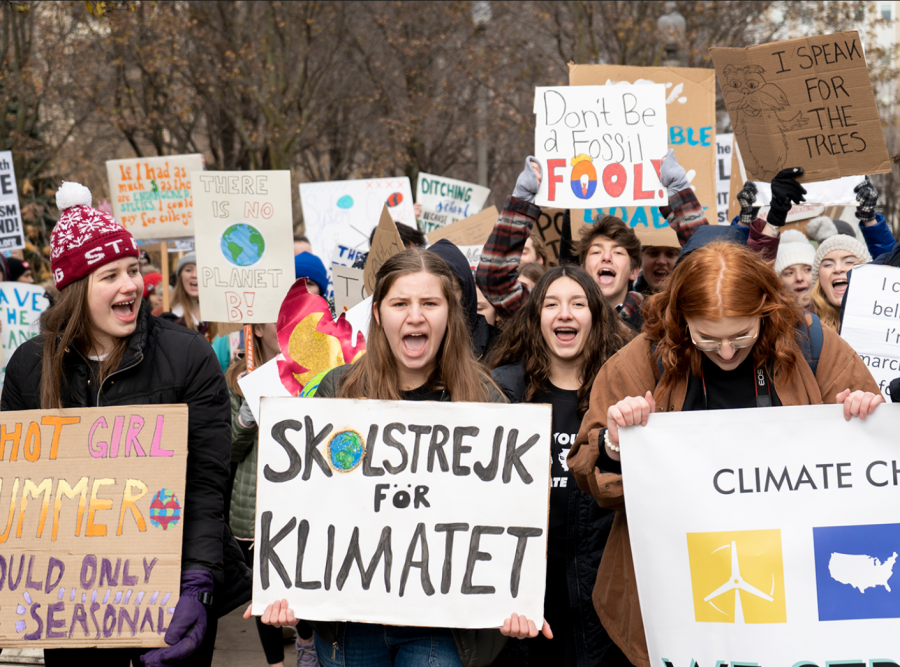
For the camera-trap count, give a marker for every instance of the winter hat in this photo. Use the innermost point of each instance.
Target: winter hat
(307, 265)
(794, 248)
(16, 268)
(189, 258)
(151, 280)
(820, 228)
(840, 242)
(84, 239)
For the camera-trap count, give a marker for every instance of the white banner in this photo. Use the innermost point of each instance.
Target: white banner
(404, 513)
(21, 305)
(244, 240)
(724, 144)
(871, 321)
(446, 200)
(600, 145)
(766, 536)
(11, 234)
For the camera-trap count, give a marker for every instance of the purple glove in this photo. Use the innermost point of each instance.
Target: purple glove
(188, 625)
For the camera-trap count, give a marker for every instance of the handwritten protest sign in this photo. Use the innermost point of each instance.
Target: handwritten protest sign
(349, 287)
(386, 243)
(474, 230)
(787, 552)
(724, 144)
(345, 212)
(151, 196)
(94, 559)
(549, 227)
(405, 513)
(21, 305)
(871, 321)
(244, 230)
(804, 102)
(623, 128)
(446, 200)
(691, 116)
(11, 233)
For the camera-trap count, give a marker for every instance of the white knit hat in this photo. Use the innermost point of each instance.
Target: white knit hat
(820, 228)
(794, 248)
(840, 242)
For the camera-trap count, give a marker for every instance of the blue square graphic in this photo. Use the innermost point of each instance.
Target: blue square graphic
(855, 568)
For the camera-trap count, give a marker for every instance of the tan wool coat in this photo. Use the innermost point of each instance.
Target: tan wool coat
(632, 372)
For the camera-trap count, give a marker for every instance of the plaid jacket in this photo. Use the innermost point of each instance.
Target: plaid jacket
(684, 214)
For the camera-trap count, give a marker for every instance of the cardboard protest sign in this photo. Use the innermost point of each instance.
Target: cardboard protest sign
(623, 128)
(386, 243)
(474, 230)
(724, 143)
(12, 235)
(402, 512)
(349, 287)
(870, 324)
(244, 230)
(345, 212)
(549, 227)
(103, 566)
(786, 554)
(804, 102)
(691, 115)
(151, 196)
(21, 305)
(446, 200)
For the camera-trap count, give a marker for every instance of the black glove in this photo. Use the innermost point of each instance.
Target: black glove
(786, 192)
(567, 254)
(745, 198)
(866, 198)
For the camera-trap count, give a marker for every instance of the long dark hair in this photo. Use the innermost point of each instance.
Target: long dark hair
(522, 340)
(66, 326)
(375, 374)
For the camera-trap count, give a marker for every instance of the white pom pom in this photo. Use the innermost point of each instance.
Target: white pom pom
(72, 194)
(793, 236)
(821, 228)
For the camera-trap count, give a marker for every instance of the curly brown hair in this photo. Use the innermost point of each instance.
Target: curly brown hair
(612, 228)
(523, 342)
(722, 280)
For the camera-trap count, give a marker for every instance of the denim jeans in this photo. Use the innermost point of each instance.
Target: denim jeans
(370, 645)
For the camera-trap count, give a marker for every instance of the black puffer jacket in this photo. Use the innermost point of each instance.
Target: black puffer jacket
(588, 528)
(163, 364)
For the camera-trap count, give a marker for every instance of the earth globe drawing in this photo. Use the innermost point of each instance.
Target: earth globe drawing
(243, 244)
(346, 450)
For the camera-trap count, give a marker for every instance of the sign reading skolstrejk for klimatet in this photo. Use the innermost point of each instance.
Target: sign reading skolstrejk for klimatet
(401, 512)
(11, 234)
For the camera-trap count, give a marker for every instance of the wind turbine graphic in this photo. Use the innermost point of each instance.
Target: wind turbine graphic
(737, 584)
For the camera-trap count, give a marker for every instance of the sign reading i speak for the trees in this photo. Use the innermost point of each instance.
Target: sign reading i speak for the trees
(402, 512)
(244, 240)
(151, 196)
(600, 145)
(92, 525)
(804, 102)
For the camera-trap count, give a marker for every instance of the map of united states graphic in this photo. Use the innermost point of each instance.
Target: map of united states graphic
(861, 571)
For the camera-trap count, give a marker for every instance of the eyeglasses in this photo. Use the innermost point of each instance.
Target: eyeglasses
(716, 345)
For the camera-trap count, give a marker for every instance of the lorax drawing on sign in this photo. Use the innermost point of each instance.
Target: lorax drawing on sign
(747, 95)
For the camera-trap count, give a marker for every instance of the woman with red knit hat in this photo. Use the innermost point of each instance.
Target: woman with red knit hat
(99, 331)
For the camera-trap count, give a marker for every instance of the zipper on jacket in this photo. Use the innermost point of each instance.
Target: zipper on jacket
(334, 648)
(121, 370)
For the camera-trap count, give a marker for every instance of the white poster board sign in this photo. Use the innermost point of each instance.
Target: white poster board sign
(600, 145)
(349, 287)
(406, 513)
(21, 305)
(345, 212)
(244, 238)
(781, 545)
(473, 254)
(870, 323)
(446, 200)
(263, 381)
(151, 196)
(724, 143)
(11, 234)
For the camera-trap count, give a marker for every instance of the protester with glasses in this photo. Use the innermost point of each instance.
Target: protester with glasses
(723, 333)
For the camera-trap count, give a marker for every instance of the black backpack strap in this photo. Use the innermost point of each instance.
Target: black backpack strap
(811, 340)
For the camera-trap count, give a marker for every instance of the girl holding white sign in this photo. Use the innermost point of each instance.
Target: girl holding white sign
(550, 352)
(418, 348)
(724, 333)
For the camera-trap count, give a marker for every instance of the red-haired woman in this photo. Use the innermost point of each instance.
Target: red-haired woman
(723, 316)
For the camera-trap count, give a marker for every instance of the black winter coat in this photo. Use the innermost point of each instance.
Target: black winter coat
(163, 364)
(588, 528)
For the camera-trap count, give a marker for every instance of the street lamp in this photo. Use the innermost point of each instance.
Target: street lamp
(671, 28)
(481, 17)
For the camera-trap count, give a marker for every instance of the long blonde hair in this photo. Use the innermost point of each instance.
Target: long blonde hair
(180, 297)
(830, 315)
(375, 374)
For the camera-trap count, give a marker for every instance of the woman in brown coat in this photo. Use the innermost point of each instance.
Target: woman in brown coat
(723, 334)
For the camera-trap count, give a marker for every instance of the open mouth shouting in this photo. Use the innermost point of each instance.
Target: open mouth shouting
(125, 311)
(606, 276)
(565, 335)
(414, 344)
(839, 285)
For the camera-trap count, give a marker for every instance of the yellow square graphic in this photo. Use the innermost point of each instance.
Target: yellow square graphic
(737, 576)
